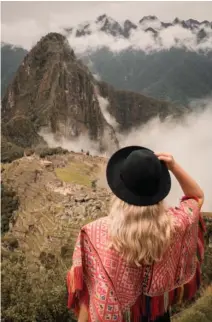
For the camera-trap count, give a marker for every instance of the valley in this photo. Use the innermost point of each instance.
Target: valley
(64, 113)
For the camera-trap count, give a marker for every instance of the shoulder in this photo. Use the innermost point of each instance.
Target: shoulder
(96, 232)
(96, 225)
(191, 204)
(187, 212)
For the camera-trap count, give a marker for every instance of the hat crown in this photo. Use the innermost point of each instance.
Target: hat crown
(136, 176)
(141, 172)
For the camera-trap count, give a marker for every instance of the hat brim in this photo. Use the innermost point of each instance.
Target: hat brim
(122, 192)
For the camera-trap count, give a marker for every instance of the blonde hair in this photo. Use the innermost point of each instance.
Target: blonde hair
(140, 234)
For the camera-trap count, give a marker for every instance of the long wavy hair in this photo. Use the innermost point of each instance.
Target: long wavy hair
(140, 234)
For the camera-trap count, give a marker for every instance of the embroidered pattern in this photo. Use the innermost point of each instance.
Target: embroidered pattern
(114, 286)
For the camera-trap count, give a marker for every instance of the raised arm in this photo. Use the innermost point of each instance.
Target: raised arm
(187, 183)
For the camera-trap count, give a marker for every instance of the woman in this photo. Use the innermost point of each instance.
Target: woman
(134, 264)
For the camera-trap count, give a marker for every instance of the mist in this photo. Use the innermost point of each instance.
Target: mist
(82, 142)
(188, 140)
(139, 39)
(27, 32)
(103, 104)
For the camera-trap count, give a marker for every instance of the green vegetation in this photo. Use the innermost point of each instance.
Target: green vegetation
(21, 131)
(32, 295)
(11, 58)
(9, 241)
(201, 311)
(10, 151)
(36, 253)
(206, 272)
(78, 173)
(176, 74)
(50, 151)
(9, 203)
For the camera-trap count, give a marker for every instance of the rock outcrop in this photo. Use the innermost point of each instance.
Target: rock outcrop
(132, 109)
(54, 92)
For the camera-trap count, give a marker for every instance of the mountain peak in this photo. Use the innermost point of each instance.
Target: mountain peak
(53, 36)
(128, 26)
(55, 92)
(192, 22)
(51, 44)
(101, 18)
(176, 21)
(148, 18)
(109, 25)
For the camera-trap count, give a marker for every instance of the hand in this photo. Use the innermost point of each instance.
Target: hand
(167, 158)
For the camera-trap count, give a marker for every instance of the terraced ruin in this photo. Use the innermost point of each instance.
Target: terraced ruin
(57, 195)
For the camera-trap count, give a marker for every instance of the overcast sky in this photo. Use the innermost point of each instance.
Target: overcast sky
(24, 22)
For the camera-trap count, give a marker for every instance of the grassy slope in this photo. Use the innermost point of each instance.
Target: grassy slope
(78, 172)
(48, 222)
(201, 311)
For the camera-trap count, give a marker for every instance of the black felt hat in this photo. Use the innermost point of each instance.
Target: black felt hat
(136, 176)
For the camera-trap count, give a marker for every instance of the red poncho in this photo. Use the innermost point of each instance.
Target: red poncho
(113, 290)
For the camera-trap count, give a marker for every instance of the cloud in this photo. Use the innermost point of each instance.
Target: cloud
(189, 141)
(90, 65)
(96, 41)
(103, 103)
(80, 143)
(174, 36)
(27, 32)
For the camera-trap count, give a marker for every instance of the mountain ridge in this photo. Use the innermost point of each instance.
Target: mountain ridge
(54, 93)
(109, 25)
(53, 90)
(164, 60)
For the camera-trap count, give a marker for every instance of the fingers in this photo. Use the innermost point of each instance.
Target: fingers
(162, 154)
(165, 158)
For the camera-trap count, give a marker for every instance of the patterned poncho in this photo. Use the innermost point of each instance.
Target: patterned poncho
(106, 288)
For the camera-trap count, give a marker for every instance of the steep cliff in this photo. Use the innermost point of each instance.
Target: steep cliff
(54, 92)
(131, 109)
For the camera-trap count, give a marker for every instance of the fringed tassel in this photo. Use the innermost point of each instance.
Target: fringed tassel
(161, 305)
(148, 307)
(198, 276)
(78, 278)
(193, 285)
(127, 316)
(69, 289)
(155, 306)
(136, 310)
(143, 305)
(74, 284)
(180, 295)
(171, 297)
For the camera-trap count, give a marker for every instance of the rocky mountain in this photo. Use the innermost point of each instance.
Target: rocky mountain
(11, 58)
(150, 24)
(54, 93)
(175, 75)
(131, 109)
(165, 60)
